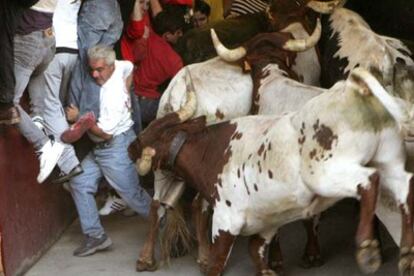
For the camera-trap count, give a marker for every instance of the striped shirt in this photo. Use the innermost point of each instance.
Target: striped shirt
(239, 7)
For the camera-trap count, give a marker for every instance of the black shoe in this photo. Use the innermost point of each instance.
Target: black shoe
(66, 177)
(91, 245)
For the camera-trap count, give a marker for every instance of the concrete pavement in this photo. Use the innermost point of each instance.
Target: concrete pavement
(127, 233)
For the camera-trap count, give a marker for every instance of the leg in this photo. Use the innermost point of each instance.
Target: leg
(220, 252)
(398, 183)
(200, 218)
(162, 182)
(344, 179)
(55, 78)
(84, 187)
(37, 85)
(26, 58)
(406, 263)
(275, 258)
(312, 255)
(146, 260)
(257, 249)
(121, 174)
(149, 109)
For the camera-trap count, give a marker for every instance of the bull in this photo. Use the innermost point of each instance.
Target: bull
(388, 58)
(347, 42)
(261, 172)
(227, 94)
(196, 45)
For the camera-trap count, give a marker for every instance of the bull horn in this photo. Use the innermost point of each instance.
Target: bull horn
(144, 163)
(189, 108)
(299, 45)
(325, 7)
(225, 53)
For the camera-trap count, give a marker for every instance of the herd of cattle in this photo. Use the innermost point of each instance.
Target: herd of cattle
(305, 148)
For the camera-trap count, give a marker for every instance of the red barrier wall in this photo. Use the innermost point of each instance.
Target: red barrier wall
(32, 216)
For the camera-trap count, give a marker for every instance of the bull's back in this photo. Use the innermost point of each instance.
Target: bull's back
(223, 91)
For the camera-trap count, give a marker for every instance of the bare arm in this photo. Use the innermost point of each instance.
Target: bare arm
(137, 12)
(156, 7)
(97, 131)
(128, 82)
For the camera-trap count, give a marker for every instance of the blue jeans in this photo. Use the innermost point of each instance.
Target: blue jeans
(53, 85)
(32, 54)
(99, 22)
(149, 109)
(111, 161)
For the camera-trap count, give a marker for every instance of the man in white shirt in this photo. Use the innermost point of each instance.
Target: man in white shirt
(112, 134)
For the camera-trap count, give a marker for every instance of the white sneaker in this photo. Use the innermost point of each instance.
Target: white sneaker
(39, 122)
(49, 155)
(112, 205)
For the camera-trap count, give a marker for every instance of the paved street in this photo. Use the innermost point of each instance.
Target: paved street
(336, 232)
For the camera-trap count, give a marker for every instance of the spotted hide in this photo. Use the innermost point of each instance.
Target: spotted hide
(224, 92)
(261, 172)
(347, 42)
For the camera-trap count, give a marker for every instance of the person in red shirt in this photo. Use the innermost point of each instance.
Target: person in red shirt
(149, 48)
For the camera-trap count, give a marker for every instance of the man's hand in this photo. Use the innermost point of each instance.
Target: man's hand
(146, 32)
(72, 113)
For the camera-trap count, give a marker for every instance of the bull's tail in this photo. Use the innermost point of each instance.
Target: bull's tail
(366, 84)
(175, 239)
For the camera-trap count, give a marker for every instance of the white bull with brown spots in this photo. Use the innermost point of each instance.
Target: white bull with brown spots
(261, 172)
(224, 92)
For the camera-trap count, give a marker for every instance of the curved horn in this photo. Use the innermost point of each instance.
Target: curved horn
(190, 106)
(144, 163)
(325, 7)
(299, 45)
(225, 53)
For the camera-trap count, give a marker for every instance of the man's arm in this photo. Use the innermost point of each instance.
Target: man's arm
(97, 131)
(137, 12)
(156, 7)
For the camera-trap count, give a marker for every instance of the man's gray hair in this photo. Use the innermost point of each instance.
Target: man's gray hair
(102, 52)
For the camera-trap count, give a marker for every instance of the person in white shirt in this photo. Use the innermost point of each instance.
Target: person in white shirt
(112, 135)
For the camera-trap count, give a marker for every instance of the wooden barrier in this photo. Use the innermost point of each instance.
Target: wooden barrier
(32, 216)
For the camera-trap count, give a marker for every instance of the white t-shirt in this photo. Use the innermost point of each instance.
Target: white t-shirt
(115, 101)
(65, 23)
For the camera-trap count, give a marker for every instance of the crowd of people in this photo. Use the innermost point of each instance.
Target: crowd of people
(62, 53)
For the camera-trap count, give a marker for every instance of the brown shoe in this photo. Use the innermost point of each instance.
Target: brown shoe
(9, 115)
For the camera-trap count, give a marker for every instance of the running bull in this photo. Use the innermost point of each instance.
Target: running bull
(261, 172)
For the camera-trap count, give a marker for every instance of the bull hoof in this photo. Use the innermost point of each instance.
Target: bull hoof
(277, 267)
(268, 272)
(142, 265)
(203, 265)
(368, 256)
(311, 261)
(406, 263)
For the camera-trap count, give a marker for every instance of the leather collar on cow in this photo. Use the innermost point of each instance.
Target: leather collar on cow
(176, 144)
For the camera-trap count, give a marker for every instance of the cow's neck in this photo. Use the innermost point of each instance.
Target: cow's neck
(262, 70)
(201, 159)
